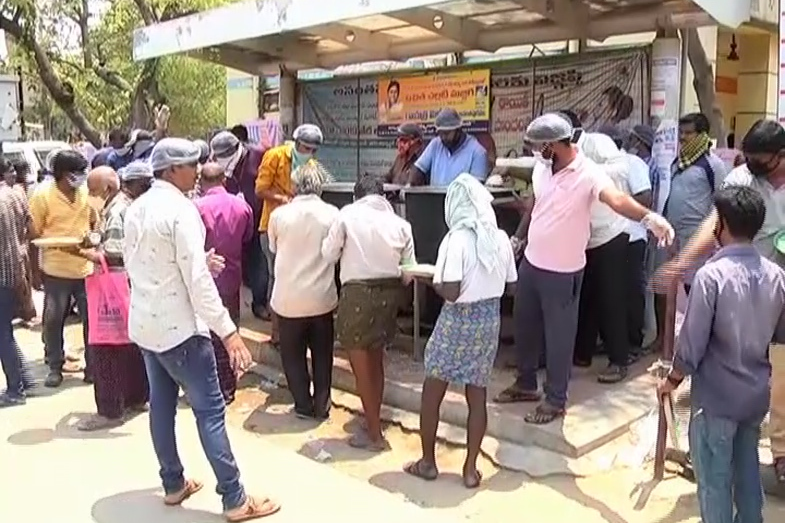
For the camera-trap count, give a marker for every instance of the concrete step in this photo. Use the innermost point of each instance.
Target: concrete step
(588, 425)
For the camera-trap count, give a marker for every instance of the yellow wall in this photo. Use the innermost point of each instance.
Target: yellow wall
(758, 72)
(241, 97)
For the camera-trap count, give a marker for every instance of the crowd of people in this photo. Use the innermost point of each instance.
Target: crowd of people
(188, 223)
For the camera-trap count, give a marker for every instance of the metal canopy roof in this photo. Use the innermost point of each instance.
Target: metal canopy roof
(257, 36)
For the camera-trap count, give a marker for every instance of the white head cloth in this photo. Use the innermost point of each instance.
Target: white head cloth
(467, 206)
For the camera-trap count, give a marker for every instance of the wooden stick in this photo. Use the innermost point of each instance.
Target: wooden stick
(667, 354)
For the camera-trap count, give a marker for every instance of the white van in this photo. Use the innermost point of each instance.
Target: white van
(34, 153)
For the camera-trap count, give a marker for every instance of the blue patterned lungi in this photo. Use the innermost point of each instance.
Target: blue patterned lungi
(464, 342)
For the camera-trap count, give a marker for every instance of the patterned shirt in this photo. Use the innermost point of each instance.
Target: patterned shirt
(112, 235)
(14, 220)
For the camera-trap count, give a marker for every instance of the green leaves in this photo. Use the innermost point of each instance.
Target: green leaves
(91, 51)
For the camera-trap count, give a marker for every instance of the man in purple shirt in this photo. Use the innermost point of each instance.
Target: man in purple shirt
(735, 306)
(229, 225)
(240, 161)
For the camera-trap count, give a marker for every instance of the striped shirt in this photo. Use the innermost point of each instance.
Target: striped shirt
(113, 236)
(14, 222)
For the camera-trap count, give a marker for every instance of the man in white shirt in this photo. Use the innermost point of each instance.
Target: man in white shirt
(174, 306)
(602, 308)
(304, 294)
(371, 242)
(638, 185)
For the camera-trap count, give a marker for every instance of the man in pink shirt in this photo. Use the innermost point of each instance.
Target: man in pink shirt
(553, 236)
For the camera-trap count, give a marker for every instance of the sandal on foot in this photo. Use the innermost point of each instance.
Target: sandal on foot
(253, 508)
(97, 422)
(543, 415)
(515, 395)
(190, 488)
(612, 374)
(779, 469)
(362, 440)
(421, 469)
(473, 480)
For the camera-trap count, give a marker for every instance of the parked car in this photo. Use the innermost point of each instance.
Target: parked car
(34, 153)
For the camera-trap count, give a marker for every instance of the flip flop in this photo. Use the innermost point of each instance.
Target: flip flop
(473, 481)
(543, 415)
(515, 395)
(190, 488)
(421, 469)
(253, 508)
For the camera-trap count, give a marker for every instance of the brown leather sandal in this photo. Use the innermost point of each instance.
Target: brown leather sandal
(190, 488)
(253, 508)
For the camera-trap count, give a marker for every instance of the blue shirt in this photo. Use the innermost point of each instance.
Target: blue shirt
(734, 309)
(440, 166)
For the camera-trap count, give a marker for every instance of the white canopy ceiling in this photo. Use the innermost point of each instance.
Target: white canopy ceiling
(257, 36)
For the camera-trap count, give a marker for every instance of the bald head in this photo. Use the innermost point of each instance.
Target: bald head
(212, 175)
(103, 181)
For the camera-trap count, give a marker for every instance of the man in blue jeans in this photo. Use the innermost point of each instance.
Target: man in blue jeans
(174, 306)
(14, 221)
(735, 305)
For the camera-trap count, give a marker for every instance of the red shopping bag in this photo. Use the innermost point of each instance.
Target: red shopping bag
(108, 301)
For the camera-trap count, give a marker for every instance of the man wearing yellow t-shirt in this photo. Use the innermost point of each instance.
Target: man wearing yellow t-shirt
(62, 209)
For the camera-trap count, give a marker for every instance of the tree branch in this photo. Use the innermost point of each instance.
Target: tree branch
(703, 83)
(62, 93)
(146, 12)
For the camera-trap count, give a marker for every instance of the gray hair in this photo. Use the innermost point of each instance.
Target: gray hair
(309, 179)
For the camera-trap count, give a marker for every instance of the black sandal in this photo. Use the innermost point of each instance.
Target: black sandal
(421, 469)
(544, 414)
(515, 395)
(613, 374)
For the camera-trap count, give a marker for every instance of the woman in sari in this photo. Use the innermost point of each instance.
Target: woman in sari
(475, 266)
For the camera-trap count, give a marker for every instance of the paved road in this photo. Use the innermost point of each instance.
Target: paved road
(52, 472)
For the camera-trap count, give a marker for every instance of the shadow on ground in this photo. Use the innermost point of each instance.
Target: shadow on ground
(146, 506)
(63, 429)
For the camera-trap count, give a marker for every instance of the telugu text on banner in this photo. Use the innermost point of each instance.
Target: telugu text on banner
(420, 98)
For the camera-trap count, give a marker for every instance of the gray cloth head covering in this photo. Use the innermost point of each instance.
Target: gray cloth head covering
(448, 119)
(309, 134)
(644, 133)
(224, 144)
(410, 129)
(171, 152)
(136, 170)
(550, 127)
(204, 150)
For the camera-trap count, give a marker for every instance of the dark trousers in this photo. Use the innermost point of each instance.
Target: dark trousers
(603, 303)
(120, 379)
(546, 317)
(297, 335)
(636, 292)
(227, 377)
(11, 360)
(255, 271)
(57, 305)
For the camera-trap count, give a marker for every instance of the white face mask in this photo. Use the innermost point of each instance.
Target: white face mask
(547, 162)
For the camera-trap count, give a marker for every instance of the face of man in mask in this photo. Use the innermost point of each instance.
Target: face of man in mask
(450, 138)
(405, 144)
(304, 151)
(763, 164)
(549, 153)
(229, 160)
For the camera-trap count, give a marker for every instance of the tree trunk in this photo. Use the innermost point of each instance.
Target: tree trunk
(704, 84)
(61, 93)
